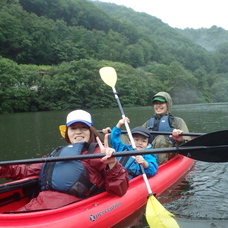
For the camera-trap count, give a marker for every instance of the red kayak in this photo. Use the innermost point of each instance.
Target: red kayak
(102, 210)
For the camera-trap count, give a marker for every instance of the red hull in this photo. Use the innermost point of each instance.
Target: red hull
(103, 210)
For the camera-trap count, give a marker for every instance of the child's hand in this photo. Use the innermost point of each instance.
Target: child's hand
(140, 160)
(122, 122)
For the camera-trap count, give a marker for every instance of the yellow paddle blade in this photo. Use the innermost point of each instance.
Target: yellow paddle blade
(108, 75)
(157, 216)
(62, 129)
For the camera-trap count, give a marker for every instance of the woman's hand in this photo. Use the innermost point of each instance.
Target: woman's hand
(107, 159)
(106, 130)
(176, 135)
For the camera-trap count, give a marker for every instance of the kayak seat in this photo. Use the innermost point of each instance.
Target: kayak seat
(17, 193)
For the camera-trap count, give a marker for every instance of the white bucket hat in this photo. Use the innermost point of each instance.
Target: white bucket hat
(79, 116)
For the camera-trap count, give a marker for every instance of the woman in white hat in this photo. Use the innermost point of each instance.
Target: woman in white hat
(69, 181)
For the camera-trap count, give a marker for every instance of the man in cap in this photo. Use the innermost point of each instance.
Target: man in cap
(164, 121)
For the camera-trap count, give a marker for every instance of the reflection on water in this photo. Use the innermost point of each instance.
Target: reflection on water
(198, 200)
(203, 196)
(205, 199)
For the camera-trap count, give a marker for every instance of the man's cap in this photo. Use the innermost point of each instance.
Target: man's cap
(141, 130)
(79, 116)
(161, 99)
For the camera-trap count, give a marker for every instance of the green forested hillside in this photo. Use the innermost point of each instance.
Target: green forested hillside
(210, 38)
(51, 52)
(172, 45)
(214, 40)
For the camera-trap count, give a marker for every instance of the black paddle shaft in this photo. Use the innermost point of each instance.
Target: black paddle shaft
(165, 133)
(211, 147)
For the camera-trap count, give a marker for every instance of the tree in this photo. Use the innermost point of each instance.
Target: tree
(13, 92)
(219, 89)
(222, 53)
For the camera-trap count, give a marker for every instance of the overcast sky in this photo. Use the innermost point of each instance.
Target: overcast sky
(182, 13)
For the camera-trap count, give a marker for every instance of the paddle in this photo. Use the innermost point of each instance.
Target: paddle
(163, 133)
(212, 151)
(62, 129)
(156, 215)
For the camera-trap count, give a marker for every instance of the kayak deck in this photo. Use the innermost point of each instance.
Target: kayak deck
(102, 210)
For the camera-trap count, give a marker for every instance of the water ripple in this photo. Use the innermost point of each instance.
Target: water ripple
(202, 194)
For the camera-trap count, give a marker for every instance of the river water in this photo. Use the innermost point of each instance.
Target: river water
(198, 200)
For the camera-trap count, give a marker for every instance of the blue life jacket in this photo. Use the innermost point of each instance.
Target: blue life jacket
(162, 124)
(127, 162)
(67, 176)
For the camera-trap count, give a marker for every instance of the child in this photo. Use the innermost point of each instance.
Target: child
(141, 138)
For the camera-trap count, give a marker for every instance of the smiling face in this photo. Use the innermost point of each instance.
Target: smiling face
(141, 141)
(160, 107)
(78, 132)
